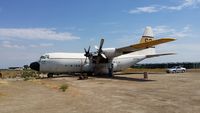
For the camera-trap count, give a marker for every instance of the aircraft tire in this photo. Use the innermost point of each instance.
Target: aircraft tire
(50, 75)
(110, 74)
(89, 74)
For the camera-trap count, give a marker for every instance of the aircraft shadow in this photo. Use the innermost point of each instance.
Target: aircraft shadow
(132, 79)
(138, 73)
(125, 78)
(116, 77)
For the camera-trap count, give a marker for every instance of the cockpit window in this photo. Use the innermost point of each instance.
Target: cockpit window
(44, 57)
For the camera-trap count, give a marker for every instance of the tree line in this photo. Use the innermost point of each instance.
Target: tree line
(188, 65)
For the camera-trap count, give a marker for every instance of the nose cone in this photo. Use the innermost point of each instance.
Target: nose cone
(35, 66)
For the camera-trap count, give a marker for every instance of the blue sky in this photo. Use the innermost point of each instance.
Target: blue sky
(29, 28)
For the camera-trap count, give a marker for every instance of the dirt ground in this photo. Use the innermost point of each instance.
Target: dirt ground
(162, 93)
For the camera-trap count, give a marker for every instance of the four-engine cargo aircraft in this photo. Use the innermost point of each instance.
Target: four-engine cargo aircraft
(102, 61)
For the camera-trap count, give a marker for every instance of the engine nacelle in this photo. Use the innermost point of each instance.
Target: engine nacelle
(109, 52)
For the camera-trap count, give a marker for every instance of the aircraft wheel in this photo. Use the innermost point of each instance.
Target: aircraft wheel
(82, 77)
(89, 74)
(85, 77)
(50, 75)
(110, 74)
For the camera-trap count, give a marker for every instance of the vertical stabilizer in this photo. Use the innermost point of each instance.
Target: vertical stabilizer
(148, 32)
(147, 35)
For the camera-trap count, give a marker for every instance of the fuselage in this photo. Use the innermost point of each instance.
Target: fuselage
(77, 62)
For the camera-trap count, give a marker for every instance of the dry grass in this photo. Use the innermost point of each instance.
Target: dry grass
(10, 73)
(2, 94)
(162, 93)
(3, 82)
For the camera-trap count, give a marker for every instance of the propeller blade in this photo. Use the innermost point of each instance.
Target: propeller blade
(101, 44)
(96, 47)
(88, 50)
(104, 56)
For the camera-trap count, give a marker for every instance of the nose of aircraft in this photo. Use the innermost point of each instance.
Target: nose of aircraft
(35, 66)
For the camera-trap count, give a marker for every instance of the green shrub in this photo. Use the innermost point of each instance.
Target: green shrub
(29, 74)
(63, 87)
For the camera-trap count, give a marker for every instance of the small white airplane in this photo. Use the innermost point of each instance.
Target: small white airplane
(102, 61)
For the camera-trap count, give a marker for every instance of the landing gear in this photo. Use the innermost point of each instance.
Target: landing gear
(110, 74)
(110, 71)
(50, 75)
(89, 74)
(83, 77)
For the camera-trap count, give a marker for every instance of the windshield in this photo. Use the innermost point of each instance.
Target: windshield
(44, 57)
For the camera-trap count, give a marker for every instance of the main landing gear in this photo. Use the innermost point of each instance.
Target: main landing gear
(110, 71)
(84, 76)
(110, 74)
(50, 75)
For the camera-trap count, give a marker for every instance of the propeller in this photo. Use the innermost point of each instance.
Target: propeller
(87, 53)
(95, 55)
(100, 51)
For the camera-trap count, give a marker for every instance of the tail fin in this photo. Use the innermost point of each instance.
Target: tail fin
(147, 35)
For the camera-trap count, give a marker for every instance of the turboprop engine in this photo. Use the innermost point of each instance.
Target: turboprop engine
(109, 52)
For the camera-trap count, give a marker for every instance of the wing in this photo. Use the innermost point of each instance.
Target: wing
(141, 46)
